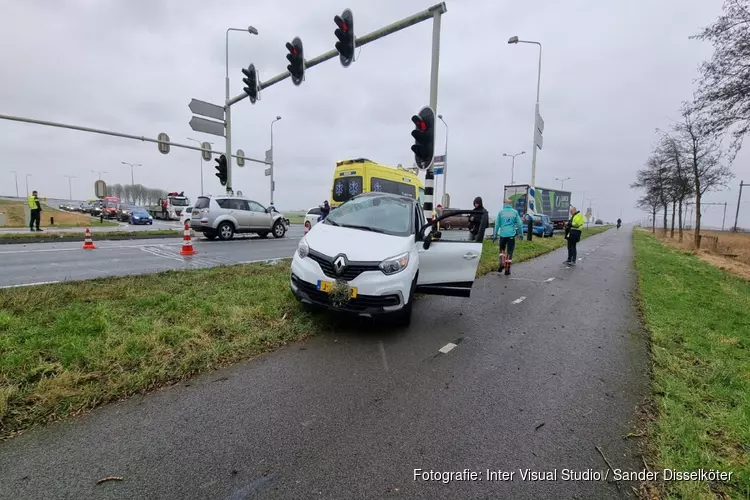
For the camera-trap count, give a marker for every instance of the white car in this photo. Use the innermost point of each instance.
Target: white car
(311, 218)
(373, 253)
(185, 217)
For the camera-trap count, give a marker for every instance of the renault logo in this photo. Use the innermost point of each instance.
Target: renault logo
(339, 264)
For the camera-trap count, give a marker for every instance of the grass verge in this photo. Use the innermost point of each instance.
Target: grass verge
(699, 319)
(16, 216)
(68, 347)
(56, 237)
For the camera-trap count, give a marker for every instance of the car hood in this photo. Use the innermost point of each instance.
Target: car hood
(356, 244)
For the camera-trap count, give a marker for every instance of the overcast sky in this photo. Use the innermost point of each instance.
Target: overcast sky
(612, 72)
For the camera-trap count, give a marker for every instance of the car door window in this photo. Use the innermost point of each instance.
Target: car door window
(255, 206)
(238, 205)
(223, 203)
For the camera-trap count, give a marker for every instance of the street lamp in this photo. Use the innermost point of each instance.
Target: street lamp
(201, 159)
(562, 181)
(590, 200)
(132, 181)
(515, 40)
(227, 108)
(70, 185)
(16, 174)
(27, 184)
(272, 161)
(98, 172)
(445, 164)
(513, 165)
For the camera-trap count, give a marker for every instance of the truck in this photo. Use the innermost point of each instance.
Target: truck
(169, 207)
(554, 203)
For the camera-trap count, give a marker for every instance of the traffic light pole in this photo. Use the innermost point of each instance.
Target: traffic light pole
(429, 180)
(228, 132)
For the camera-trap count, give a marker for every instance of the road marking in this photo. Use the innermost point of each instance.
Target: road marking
(382, 353)
(549, 279)
(447, 348)
(519, 300)
(30, 284)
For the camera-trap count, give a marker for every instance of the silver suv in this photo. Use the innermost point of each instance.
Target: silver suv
(223, 216)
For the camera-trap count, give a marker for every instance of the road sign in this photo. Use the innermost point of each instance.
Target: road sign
(100, 189)
(538, 138)
(269, 155)
(206, 109)
(207, 126)
(437, 170)
(241, 159)
(439, 159)
(163, 143)
(268, 171)
(206, 154)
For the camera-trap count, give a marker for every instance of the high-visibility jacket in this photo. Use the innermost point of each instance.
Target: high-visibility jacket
(576, 222)
(33, 202)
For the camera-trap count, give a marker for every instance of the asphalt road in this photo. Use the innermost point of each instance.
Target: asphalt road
(543, 371)
(52, 262)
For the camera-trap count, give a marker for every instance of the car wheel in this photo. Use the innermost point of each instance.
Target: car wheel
(278, 229)
(210, 236)
(447, 225)
(226, 231)
(403, 317)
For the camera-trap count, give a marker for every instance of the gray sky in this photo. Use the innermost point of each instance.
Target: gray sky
(612, 72)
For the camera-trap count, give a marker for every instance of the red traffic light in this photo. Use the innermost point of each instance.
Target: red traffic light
(341, 23)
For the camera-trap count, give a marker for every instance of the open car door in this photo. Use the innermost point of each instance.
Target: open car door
(446, 267)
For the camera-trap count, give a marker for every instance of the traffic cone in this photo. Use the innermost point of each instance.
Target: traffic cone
(187, 242)
(307, 226)
(88, 243)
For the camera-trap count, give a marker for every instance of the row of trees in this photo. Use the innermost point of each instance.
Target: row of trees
(136, 194)
(689, 161)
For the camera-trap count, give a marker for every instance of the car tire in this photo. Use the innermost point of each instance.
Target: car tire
(278, 229)
(225, 230)
(447, 226)
(402, 318)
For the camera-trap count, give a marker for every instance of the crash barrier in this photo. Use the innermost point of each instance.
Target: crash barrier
(187, 242)
(88, 243)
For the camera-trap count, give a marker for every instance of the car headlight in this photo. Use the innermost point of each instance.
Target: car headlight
(395, 264)
(303, 249)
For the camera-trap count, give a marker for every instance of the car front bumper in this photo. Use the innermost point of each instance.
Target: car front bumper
(377, 294)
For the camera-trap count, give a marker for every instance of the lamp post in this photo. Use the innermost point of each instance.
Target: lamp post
(70, 186)
(273, 163)
(98, 172)
(201, 159)
(227, 108)
(590, 201)
(445, 164)
(515, 40)
(132, 165)
(513, 165)
(27, 184)
(16, 175)
(562, 181)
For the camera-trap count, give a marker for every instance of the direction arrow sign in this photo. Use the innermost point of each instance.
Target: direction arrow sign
(241, 158)
(207, 126)
(163, 143)
(206, 154)
(206, 109)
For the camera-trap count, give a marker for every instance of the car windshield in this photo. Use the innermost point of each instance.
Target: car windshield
(180, 202)
(381, 214)
(139, 211)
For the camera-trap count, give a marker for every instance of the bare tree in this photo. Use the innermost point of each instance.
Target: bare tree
(680, 182)
(702, 149)
(724, 93)
(654, 179)
(651, 201)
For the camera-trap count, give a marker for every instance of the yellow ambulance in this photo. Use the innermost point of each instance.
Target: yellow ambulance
(352, 177)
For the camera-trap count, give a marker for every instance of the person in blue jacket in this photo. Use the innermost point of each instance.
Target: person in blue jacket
(508, 223)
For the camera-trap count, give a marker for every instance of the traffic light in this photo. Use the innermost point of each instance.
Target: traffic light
(251, 80)
(424, 137)
(221, 169)
(345, 34)
(296, 57)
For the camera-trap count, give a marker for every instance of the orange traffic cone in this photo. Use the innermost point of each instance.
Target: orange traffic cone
(307, 226)
(88, 243)
(187, 242)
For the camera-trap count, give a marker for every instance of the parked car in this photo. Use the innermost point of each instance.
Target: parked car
(599, 222)
(96, 209)
(186, 216)
(223, 216)
(123, 212)
(542, 226)
(373, 253)
(311, 217)
(139, 215)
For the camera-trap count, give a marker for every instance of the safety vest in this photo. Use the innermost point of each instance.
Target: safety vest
(32, 202)
(577, 221)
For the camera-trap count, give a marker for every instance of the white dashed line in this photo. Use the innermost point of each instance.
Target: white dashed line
(519, 300)
(30, 284)
(447, 348)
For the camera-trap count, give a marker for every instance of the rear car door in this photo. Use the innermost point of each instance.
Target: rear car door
(260, 218)
(446, 267)
(241, 212)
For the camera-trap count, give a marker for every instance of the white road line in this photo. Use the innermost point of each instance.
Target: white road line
(30, 284)
(519, 300)
(382, 353)
(78, 249)
(549, 279)
(447, 348)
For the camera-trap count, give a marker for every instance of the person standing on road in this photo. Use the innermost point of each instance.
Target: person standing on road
(619, 223)
(508, 222)
(573, 235)
(325, 209)
(478, 221)
(35, 207)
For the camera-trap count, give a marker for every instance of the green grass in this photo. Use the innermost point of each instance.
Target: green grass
(699, 319)
(106, 235)
(296, 219)
(15, 214)
(68, 347)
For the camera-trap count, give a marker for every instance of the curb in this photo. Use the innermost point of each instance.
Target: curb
(99, 237)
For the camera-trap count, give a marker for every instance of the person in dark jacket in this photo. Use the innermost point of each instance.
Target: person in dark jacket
(325, 209)
(478, 221)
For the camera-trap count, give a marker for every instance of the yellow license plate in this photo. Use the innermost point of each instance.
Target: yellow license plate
(327, 287)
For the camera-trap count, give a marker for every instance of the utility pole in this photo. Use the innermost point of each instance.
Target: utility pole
(200, 158)
(27, 184)
(513, 165)
(445, 165)
(70, 186)
(429, 178)
(562, 181)
(273, 163)
(16, 175)
(98, 172)
(132, 165)
(739, 199)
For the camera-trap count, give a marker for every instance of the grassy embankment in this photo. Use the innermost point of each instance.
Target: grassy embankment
(67, 347)
(34, 237)
(699, 319)
(16, 217)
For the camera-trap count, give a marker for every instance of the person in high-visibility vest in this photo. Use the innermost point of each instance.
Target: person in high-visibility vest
(35, 208)
(573, 235)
